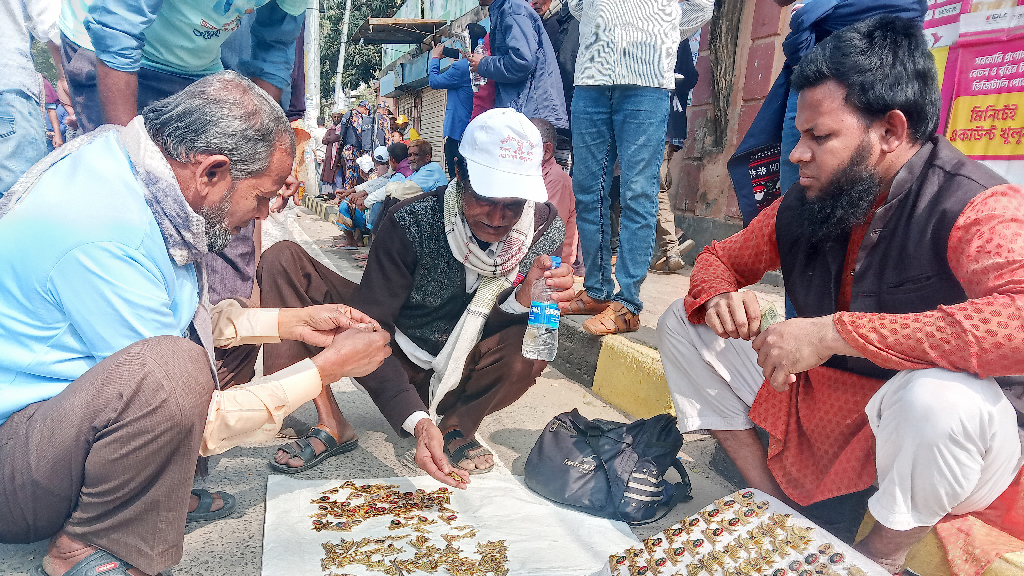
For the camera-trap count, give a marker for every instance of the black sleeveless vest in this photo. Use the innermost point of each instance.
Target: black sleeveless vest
(902, 265)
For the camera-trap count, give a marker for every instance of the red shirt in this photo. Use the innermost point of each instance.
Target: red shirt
(821, 445)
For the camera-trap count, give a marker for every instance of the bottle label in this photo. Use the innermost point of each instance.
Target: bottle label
(544, 314)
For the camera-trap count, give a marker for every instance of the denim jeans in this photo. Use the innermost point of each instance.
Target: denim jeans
(22, 136)
(629, 123)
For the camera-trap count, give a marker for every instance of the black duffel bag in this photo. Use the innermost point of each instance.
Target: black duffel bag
(609, 469)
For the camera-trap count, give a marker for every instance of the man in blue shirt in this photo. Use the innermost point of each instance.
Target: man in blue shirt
(459, 105)
(106, 348)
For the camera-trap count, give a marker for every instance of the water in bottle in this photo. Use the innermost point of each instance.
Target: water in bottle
(541, 339)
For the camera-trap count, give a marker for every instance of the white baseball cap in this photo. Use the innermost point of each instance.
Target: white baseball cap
(365, 163)
(504, 154)
(380, 154)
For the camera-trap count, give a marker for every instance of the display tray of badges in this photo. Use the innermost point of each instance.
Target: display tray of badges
(747, 533)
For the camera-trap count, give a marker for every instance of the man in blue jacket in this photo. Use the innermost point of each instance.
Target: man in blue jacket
(459, 105)
(522, 63)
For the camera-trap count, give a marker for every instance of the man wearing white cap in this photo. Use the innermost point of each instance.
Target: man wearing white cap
(449, 275)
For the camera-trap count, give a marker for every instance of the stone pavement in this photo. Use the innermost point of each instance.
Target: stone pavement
(233, 546)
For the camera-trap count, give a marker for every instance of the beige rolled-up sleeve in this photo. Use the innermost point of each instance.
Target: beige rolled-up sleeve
(234, 325)
(255, 412)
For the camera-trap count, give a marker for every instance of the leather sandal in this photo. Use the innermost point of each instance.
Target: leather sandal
(582, 303)
(615, 319)
(463, 452)
(304, 451)
(203, 512)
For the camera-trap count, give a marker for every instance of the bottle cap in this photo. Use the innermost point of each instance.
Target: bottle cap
(555, 262)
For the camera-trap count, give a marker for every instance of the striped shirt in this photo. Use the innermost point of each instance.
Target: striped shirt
(633, 41)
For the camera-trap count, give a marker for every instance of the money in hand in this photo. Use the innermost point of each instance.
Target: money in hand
(769, 316)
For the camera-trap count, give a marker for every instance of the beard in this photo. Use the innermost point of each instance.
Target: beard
(845, 201)
(218, 233)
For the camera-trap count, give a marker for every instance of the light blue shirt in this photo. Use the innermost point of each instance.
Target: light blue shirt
(430, 176)
(184, 37)
(84, 272)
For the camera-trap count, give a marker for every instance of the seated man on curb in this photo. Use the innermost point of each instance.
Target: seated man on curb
(449, 276)
(904, 261)
(427, 175)
(396, 156)
(107, 377)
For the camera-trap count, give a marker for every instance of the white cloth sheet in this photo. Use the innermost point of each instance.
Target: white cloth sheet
(543, 538)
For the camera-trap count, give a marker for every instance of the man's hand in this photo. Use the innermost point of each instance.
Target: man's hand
(734, 315)
(430, 456)
(560, 279)
(358, 200)
(352, 353)
(318, 325)
(474, 61)
(291, 186)
(797, 345)
(435, 52)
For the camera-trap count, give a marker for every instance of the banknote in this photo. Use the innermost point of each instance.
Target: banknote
(769, 316)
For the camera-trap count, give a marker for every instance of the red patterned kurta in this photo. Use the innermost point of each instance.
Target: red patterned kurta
(821, 445)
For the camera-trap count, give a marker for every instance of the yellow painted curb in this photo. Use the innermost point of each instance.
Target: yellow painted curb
(630, 377)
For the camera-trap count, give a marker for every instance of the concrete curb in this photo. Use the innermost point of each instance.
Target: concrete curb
(322, 209)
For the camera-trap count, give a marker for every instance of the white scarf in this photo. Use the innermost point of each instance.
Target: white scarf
(496, 274)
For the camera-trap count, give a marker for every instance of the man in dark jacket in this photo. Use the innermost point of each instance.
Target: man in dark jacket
(522, 63)
(457, 319)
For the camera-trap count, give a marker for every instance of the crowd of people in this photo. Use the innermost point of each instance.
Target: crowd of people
(132, 318)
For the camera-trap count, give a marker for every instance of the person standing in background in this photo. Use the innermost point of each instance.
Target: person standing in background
(459, 107)
(21, 123)
(620, 107)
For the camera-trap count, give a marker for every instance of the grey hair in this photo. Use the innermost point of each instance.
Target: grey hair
(224, 113)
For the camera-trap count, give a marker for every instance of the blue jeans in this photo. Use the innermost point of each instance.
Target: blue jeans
(22, 136)
(628, 122)
(357, 216)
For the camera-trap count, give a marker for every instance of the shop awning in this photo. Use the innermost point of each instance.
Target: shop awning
(396, 30)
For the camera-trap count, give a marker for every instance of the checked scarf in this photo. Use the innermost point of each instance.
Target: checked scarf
(496, 274)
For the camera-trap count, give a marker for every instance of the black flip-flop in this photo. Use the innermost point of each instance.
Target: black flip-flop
(462, 452)
(305, 451)
(99, 562)
(203, 512)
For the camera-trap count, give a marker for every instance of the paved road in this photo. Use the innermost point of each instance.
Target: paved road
(233, 546)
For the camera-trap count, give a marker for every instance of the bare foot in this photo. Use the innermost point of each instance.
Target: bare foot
(888, 547)
(65, 552)
(347, 434)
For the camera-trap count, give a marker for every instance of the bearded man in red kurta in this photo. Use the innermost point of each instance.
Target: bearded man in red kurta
(904, 261)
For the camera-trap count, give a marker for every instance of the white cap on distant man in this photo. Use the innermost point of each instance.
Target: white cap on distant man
(365, 163)
(380, 154)
(504, 154)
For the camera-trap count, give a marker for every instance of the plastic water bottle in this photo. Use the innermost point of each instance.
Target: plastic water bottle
(541, 339)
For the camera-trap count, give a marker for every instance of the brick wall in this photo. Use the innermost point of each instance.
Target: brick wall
(701, 186)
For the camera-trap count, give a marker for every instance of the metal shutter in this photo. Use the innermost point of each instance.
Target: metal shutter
(432, 120)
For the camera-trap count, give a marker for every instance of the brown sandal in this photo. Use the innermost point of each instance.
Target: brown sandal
(615, 319)
(582, 303)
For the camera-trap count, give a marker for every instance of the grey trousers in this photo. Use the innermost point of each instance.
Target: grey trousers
(110, 459)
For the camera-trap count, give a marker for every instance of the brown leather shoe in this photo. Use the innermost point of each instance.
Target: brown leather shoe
(615, 319)
(582, 303)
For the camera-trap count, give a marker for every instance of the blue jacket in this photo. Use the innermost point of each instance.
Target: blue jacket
(460, 94)
(522, 63)
(97, 280)
(429, 177)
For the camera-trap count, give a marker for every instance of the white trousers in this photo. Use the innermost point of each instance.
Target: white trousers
(945, 442)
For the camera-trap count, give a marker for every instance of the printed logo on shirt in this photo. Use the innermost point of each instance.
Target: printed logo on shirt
(212, 31)
(514, 148)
